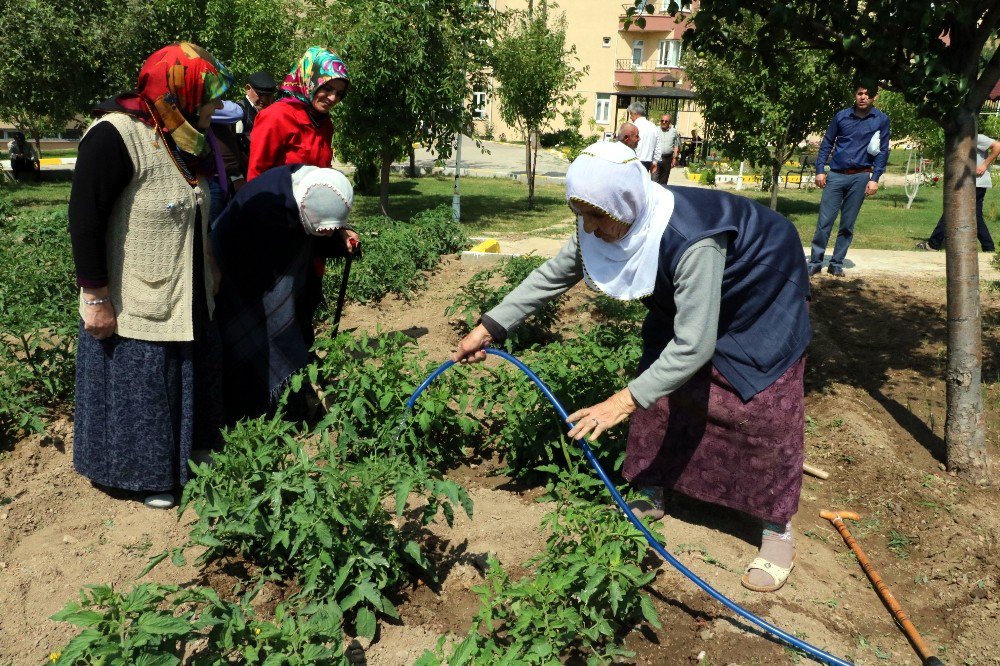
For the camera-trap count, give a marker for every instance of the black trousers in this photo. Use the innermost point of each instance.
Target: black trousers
(936, 240)
(663, 170)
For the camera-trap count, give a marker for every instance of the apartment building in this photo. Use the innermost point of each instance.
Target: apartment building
(624, 64)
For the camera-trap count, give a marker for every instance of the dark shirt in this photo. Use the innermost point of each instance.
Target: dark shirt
(103, 170)
(851, 135)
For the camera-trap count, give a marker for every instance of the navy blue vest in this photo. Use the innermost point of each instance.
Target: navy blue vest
(764, 315)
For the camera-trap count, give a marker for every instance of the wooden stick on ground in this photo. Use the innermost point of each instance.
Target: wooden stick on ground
(837, 518)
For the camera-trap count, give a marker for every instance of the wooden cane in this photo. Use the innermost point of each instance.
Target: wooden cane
(837, 518)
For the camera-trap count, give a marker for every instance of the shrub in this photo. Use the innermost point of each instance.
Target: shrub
(487, 288)
(707, 177)
(581, 371)
(396, 254)
(366, 381)
(582, 596)
(316, 517)
(163, 624)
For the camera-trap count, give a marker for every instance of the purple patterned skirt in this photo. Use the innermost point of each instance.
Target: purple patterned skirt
(704, 441)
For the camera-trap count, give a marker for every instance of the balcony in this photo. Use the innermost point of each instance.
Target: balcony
(645, 75)
(656, 22)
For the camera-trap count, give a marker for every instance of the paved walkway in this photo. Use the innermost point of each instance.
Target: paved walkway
(859, 262)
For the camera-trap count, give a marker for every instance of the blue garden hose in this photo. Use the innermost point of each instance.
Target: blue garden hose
(653, 543)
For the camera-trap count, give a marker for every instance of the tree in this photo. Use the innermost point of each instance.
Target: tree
(411, 63)
(49, 69)
(534, 75)
(942, 57)
(762, 100)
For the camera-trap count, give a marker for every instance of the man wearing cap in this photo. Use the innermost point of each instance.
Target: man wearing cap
(670, 148)
(854, 174)
(260, 89)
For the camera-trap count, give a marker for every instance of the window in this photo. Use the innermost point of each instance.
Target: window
(637, 53)
(603, 110)
(670, 53)
(479, 104)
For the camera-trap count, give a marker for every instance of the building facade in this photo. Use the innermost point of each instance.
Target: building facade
(619, 60)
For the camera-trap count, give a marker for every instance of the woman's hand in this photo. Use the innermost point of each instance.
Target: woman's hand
(99, 320)
(472, 347)
(595, 420)
(352, 242)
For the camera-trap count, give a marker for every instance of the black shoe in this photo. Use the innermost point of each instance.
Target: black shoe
(836, 271)
(815, 268)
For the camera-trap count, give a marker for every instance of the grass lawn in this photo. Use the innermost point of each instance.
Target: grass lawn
(497, 206)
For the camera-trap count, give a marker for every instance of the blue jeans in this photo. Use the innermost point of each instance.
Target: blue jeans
(982, 231)
(843, 194)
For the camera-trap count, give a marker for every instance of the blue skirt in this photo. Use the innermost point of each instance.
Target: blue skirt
(141, 407)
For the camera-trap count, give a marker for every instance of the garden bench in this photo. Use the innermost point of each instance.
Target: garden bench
(806, 172)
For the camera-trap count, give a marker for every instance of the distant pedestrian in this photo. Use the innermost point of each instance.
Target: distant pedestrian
(648, 149)
(987, 150)
(854, 174)
(23, 156)
(629, 135)
(670, 148)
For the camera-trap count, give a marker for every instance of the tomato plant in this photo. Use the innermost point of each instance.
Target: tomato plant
(584, 592)
(162, 624)
(487, 288)
(316, 516)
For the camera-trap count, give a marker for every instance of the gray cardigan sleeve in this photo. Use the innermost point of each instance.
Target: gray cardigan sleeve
(548, 281)
(697, 298)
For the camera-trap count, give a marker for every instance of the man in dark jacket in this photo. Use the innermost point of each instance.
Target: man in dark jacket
(260, 89)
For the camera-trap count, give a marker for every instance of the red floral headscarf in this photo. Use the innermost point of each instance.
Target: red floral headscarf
(176, 82)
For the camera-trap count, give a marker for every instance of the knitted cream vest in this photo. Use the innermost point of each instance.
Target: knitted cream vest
(150, 241)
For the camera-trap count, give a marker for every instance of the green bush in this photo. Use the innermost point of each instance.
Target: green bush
(486, 289)
(584, 594)
(707, 177)
(38, 320)
(163, 624)
(397, 253)
(316, 517)
(366, 381)
(581, 371)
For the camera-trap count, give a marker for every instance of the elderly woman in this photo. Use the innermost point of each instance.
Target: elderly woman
(297, 128)
(138, 214)
(264, 242)
(718, 400)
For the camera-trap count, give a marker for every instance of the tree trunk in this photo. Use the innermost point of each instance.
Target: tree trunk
(383, 189)
(775, 175)
(413, 161)
(964, 425)
(532, 164)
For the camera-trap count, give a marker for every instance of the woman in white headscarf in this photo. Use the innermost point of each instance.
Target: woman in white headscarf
(717, 405)
(263, 243)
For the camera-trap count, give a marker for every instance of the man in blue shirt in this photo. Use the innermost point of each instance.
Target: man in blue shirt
(854, 174)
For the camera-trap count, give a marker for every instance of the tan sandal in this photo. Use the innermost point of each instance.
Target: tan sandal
(778, 574)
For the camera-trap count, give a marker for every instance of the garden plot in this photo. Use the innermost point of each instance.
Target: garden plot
(875, 407)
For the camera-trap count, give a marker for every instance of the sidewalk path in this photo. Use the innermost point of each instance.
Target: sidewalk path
(859, 262)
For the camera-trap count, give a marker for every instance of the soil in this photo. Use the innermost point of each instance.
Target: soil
(875, 404)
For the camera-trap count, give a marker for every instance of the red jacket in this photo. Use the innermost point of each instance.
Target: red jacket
(283, 133)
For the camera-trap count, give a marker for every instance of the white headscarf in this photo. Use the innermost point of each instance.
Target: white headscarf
(608, 175)
(324, 197)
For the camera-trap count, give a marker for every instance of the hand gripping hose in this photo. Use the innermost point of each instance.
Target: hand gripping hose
(814, 652)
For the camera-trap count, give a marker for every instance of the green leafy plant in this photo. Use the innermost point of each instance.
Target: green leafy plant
(397, 253)
(583, 595)
(581, 371)
(366, 381)
(159, 625)
(487, 288)
(315, 516)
